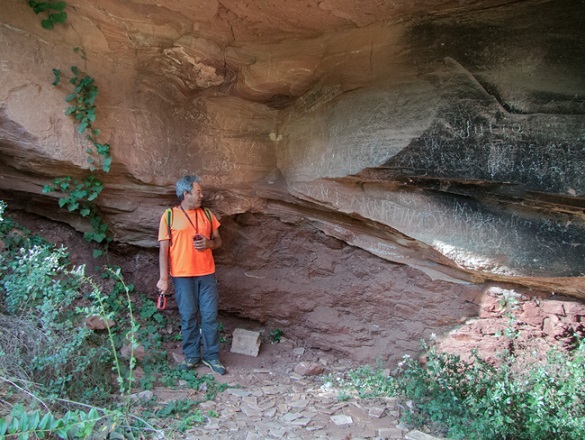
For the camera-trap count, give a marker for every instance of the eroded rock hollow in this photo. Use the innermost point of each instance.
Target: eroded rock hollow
(375, 165)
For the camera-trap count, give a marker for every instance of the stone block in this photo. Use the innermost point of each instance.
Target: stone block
(390, 433)
(376, 412)
(552, 307)
(245, 342)
(418, 435)
(341, 419)
(574, 308)
(532, 314)
(549, 323)
(139, 352)
(309, 369)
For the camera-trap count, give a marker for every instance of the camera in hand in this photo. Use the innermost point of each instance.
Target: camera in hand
(197, 237)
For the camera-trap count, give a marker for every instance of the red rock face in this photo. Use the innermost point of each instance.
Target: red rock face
(443, 139)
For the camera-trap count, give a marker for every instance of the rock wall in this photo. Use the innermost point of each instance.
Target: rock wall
(448, 137)
(334, 296)
(487, 171)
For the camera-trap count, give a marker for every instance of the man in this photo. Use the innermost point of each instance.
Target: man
(186, 255)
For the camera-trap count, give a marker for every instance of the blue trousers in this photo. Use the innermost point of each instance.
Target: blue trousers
(198, 295)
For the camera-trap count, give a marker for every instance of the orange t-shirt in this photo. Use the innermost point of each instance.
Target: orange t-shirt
(184, 259)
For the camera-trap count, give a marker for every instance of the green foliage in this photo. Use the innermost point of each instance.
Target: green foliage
(223, 337)
(482, 401)
(182, 410)
(191, 420)
(125, 376)
(55, 12)
(364, 382)
(206, 383)
(276, 334)
(80, 196)
(42, 336)
(113, 301)
(50, 359)
(57, 79)
(83, 110)
(80, 193)
(15, 236)
(81, 51)
(148, 310)
(176, 407)
(74, 424)
(517, 398)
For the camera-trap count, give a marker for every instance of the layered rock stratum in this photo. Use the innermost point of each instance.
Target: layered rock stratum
(443, 136)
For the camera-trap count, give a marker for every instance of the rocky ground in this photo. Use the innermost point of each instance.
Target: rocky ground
(283, 392)
(276, 395)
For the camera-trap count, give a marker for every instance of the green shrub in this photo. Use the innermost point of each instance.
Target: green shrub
(55, 12)
(519, 398)
(364, 382)
(43, 338)
(509, 401)
(74, 424)
(53, 370)
(276, 335)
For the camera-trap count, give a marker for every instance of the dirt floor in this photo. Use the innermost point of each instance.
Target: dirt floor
(268, 396)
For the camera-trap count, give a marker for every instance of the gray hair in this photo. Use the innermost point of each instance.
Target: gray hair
(185, 183)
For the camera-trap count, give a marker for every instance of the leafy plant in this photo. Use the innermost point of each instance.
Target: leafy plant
(82, 194)
(276, 334)
(195, 418)
(42, 335)
(516, 398)
(74, 424)
(365, 382)
(176, 407)
(83, 110)
(114, 299)
(14, 236)
(223, 338)
(55, 12)
(482, 401)
(107, 315)
(182, 409)
(206, 383)
(43, 305)
(148, 310)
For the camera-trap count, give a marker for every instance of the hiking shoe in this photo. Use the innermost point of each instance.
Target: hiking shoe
(215, 366)
(189, 364)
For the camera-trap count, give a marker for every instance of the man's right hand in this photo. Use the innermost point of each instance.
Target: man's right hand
(162, 285)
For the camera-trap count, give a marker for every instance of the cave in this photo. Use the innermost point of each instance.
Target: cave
(383, 171)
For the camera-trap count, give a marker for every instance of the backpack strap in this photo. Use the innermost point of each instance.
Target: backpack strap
(208, 215)
(169, 214)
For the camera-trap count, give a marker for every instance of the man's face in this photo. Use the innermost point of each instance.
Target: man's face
(194, 197)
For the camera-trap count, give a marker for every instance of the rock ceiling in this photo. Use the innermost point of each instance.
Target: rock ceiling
(445, 135)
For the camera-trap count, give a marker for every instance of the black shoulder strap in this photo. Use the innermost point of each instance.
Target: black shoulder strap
(169, 213)
(208, 215)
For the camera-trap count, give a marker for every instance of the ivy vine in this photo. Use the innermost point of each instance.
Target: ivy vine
(55, 12)
(80, 194)
(83, 110)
